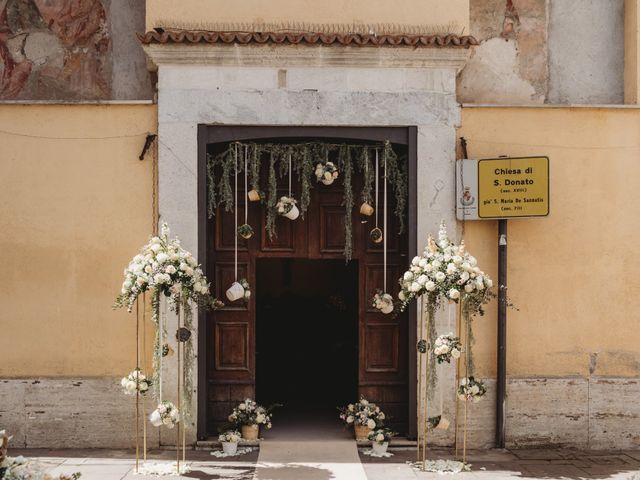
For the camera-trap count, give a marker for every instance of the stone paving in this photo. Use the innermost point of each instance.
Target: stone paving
(490, 464)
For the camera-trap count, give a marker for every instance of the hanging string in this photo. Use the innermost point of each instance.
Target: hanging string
(376, 188)
(384, 219)
(235, 262)
(144, 363)
(246, 191)
(161, 343)
(289, 175)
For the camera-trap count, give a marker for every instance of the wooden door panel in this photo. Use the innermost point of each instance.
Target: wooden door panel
(332, 237)
(226, 231)
(232, 346)
(373, 277)
(381, 347)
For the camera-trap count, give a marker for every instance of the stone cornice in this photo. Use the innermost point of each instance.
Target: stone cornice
(287, 56)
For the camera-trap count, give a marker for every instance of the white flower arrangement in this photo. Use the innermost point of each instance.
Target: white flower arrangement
(326, 172)
(163, 265)
(165, 414)
(446, 347)
(445, 271)
(230, 436)
(247, 288)
(285, 205)
(381, 435)
(250, 413)
(362, 413)
(135, 381)
(471, 390)
(383, 302)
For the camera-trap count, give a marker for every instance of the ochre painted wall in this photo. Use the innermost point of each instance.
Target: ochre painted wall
(573, 274)
(199, 13)
(74, 211)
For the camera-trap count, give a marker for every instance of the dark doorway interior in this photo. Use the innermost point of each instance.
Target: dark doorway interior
(307, 334)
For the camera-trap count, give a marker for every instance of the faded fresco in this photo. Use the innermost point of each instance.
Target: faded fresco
(63, 49)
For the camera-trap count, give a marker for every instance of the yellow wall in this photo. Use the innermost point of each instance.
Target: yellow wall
(199, 13)
(572, 275)
(73, 213)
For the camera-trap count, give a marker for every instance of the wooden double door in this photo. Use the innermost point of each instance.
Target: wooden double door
(227, 345)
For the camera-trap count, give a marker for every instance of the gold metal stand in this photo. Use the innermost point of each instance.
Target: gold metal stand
(137, 385)
(419, 399)
(179, 396)
(459, 331)
(144, 361)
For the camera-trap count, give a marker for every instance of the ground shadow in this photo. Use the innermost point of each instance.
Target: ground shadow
(293, 472)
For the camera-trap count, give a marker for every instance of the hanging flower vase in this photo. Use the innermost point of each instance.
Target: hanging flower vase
(383, 302)
(245, 231)
(235, 292)
(250, 432)
(253, 195)
(286, 207)
(155, 418)
(376, 235)
(326, 173)
(379, 448)
(366, 209)
(443, 424)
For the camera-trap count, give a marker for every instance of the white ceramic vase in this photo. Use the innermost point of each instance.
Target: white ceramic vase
(155, 418)
(293, 213)
(230, 448)
(379, 448)
(443, 424)
(235, 292)
(327, 181)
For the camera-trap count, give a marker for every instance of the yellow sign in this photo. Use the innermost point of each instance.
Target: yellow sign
(513, 187)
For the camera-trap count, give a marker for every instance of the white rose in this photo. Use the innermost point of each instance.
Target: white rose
(260, 418)
(436, 264)
(473, 261)
(454, 294)
(371, 423)
(415, 287)
(423, 263)
(455, 353)
(440, 276)
(350, 407)
(466, 266)
(242, 406)
(428, 268)
(464, 277)
(457, 259)
(171, 269)
(155, 248)
(197, 287)
(380, 438)
(488, 282)
(381, 416)
(415, 261)
(422, 279)
(327, 175)
(469, 287)
(350, 419)
(475, 390)
(451, 268)
(162, 257)
(430, 286)
(402, 296)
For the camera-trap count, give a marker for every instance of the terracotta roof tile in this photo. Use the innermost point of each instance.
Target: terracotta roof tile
(305, 38)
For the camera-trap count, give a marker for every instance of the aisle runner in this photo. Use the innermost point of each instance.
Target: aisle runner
(331, 459)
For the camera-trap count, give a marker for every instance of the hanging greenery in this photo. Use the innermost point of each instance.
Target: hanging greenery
(344, 164)
(304, 156)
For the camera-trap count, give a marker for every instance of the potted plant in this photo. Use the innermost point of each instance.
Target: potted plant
(326, 172)
(383, 302)
(471, 390)
(229, 441)
(254, 195)
(376, 235)
(245, 231)
(380, 439)
(447, 347)
(239, 289)
(366, 209)
(286, 207)
(136, 380)
(248, 415)
(364, 416)
(165, 414)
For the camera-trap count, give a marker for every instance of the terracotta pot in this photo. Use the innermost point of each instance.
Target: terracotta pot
(362, 432)
(235, 292)
(230, 448)
(250, 432)
(366, 209)
(253, 195)
(293, 213)
(443, 424)
(380, 448)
